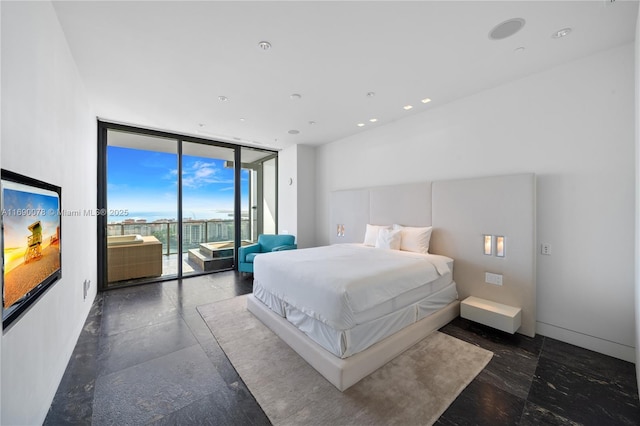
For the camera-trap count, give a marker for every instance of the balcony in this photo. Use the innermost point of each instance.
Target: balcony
(207, 245)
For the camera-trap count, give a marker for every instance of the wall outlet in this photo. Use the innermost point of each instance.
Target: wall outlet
(87, 285)
(545, 249)
(490, 278)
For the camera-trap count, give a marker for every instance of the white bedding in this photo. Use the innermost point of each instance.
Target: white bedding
(333, 284)
(345, 343)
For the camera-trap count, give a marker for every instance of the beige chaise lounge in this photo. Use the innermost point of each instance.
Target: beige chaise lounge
(133, 256)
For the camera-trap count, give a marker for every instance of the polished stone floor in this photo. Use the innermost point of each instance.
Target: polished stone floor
(146, 357)
(542, 381)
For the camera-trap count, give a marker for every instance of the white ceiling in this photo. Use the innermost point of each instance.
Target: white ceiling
(163, 64)
(160, 144)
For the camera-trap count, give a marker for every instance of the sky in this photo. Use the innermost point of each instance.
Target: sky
(21, 209)
(145, 183)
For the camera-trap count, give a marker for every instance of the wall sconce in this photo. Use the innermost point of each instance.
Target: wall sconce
(488, 245)
(500, 246)
(340, 230)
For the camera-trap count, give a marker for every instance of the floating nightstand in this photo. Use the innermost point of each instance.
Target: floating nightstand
(503, 317)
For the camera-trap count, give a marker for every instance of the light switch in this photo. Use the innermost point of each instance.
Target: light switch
(491, 278)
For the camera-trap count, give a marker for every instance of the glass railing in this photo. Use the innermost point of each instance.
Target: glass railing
(194, 232)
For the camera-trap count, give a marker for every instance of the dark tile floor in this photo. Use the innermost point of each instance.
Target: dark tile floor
(146, 357)
(542, 381)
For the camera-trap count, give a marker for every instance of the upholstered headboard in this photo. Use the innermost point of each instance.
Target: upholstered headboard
(407, 204)
(461, 212)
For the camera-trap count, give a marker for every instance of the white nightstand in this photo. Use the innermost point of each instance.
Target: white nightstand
(503, 317)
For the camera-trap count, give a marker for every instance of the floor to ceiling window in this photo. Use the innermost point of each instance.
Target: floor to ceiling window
(175, 206)
(259, 183)
(208, 207)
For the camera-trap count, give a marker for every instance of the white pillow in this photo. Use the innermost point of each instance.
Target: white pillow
(371, 236)
(415, 239)
(388, 239)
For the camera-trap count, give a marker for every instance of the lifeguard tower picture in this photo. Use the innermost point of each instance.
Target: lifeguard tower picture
(34, 242)
(31, 246)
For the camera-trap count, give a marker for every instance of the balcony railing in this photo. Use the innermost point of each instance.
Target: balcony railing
(194, 232)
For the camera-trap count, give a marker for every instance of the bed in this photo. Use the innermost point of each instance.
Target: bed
(350, 308)
(453, 209)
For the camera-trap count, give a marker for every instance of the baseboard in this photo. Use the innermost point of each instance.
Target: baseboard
(616, 350)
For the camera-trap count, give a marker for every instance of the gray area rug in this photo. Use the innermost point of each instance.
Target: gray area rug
(413, 389)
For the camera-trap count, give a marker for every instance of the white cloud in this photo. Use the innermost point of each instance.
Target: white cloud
(202, 173)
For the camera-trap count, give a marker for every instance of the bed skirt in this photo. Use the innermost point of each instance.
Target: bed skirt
(344, 373)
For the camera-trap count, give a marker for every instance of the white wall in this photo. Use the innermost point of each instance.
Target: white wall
(47, 120)
(296, 194)
(269, 177)
(288, 193)
(573, 127)
(306, 196)
(637, 252)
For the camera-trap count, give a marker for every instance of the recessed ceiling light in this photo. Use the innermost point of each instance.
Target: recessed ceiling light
(360, 124)
(200, 124)
(264, 45)
(561, 33)
(243, 119)
(293, 132)
(407, 107)
(373, 120)
(223, 98)
(519, 49)
(425, 100)
(312, 123)
(371, 94)
(295, 96)
(506, 29)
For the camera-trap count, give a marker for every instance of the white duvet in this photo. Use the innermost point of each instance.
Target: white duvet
(333, 283)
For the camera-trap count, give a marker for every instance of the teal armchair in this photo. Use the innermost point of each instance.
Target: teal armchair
(266, 243)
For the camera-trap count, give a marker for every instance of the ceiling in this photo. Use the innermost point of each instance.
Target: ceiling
(123, 139)
(164, 64)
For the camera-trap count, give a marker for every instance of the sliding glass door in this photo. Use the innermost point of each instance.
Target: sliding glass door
(142, 208)
(177, 206)
(208, 211)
